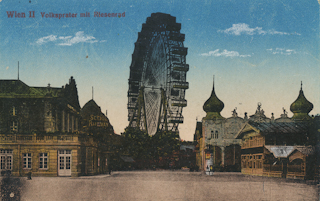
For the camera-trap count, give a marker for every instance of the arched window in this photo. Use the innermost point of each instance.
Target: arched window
(212, 135)
(216, 135)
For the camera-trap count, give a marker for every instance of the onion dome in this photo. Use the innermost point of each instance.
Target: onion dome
(301, 107)
(213, 106)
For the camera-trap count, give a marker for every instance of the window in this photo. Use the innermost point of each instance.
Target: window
(212, 135)
(216, 135)
(68, 162)
(6, 159)
(14, 126)
(14, 111)
(43, 161)
(27, 161)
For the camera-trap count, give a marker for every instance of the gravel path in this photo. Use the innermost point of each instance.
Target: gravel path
(166, 185)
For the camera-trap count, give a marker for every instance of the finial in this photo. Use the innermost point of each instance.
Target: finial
(259, 106)
(301, 85)
(234, 112)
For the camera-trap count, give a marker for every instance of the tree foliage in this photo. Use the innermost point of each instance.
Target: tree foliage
(156, 151)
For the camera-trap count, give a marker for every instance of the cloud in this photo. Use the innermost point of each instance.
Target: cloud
(273, 32)
(224, 53)
(242, 28)
(282, 51)
(64, 37)
(79, 37)
(46, 39)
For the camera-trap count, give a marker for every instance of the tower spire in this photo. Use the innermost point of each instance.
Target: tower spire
(18, 70)
(92, 92)
(213, 83)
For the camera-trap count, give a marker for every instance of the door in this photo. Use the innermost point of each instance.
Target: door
(5, 160)
(64, 162)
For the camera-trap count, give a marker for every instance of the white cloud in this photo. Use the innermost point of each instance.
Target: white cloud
(79, 37)
(64, 37)
(242, 28)
(224, 53)
(282, 51)
(46, 39)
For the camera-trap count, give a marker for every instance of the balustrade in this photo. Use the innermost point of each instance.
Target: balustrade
(36, 139)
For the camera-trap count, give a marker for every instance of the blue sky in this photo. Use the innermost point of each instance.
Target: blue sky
(258, 52)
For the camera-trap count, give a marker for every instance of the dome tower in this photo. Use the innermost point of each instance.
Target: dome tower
(301, 107)
(213, 106)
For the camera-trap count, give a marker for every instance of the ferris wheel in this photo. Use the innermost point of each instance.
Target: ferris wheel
(157, 81)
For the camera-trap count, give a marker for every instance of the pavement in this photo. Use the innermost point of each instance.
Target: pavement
(162, 185)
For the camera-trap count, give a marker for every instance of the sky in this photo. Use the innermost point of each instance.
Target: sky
(258, 51)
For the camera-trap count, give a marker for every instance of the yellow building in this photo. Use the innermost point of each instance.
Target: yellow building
(40, 132)
(283, 147)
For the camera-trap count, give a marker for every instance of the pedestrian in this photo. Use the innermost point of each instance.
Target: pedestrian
(110, 169)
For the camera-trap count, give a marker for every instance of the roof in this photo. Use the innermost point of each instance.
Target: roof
(213, 106)
(301, 106)
(285, 151)
(280, 127)
(185, 147)
(280, 151)
(17, 88)
(306, 150)
(267, 128)
(91, 107)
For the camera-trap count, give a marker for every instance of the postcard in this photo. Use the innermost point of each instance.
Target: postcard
(152, 65)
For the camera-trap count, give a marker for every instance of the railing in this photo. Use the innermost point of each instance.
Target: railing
(271, 168)
(37, 139)
(295, 168)
(24, 138)
(255, 142)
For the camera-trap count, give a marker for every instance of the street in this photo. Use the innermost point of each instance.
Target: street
(166, 185)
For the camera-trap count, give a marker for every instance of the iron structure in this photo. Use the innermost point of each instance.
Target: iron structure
(157, 81)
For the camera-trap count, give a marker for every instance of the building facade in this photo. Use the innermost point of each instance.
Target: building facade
(243, 144)
(217, 146)
(104, 155)
(283, 147)
(41, 132)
